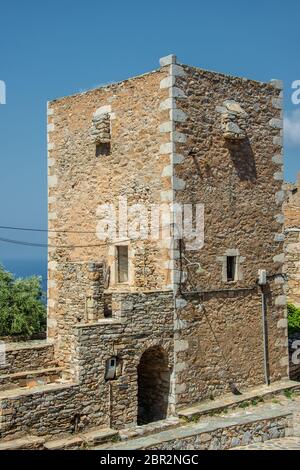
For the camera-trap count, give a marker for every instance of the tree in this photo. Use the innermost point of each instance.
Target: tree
(22, 311)
(293, 318)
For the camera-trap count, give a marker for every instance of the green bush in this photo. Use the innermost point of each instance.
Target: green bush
(293, 318)
(22, 311)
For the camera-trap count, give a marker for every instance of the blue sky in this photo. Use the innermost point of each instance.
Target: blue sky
(51, 49)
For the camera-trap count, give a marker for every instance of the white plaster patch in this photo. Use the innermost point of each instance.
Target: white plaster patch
(278, 176)
(52, 265)
(277, 159)
(52, 215)
(167, 60)
(179, 137)
(177, 93)
(168, 103)
(167, 171)
(168, 147)
(279, 258)
(280, 300)
(166, 196)
(102, 110)
(52, 181)
(167, 82)
(282, 323)
(178, 115)
(177, 70)
(166, 127)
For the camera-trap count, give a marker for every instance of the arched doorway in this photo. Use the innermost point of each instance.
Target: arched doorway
(153, 386)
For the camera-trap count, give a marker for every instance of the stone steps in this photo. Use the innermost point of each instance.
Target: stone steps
(26, 442)
(82, 440)
(230, 401)
(151, 428)
(29, 378)
(242, 428)
(71, 442)
(18, 392)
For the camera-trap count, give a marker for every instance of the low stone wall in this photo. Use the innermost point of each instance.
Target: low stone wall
(47, 411)
(230, 437)
(30, 355)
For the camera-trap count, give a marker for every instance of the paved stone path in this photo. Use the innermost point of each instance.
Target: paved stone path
(285, 443)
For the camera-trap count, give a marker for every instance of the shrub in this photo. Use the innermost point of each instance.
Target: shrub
(22, 311)
(293, 318)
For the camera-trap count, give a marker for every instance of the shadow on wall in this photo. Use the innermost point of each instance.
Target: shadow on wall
(153, 386)
(242, 157)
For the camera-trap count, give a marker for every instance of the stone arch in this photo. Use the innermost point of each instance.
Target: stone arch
(153, 374)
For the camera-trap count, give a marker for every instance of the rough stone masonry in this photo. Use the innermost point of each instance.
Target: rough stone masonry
(143, 327)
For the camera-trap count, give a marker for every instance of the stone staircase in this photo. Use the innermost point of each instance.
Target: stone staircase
(262, 415)
(29, 378)
(258, 415)
(82, 440)
(219, 433)
(230, 402)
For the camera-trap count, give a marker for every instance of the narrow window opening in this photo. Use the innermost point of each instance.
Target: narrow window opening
(231, 268)
(111, 367)
(102, 148)
(122, 254)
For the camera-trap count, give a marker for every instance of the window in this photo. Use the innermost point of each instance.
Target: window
(110, 370)
(231, 268)
(102, 148)
(122, 261)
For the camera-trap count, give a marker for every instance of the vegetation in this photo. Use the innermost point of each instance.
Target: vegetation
(293, 318)
(22, 311)
(288, 393)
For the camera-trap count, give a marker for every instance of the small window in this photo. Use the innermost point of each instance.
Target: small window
(102, 148)
(231, 268)
(111, 367)
(122, 254)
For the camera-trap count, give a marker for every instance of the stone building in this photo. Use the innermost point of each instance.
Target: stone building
(139, 327)
(292, 240)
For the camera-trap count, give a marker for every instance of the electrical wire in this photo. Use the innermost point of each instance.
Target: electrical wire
(46, 245)
(23, 229)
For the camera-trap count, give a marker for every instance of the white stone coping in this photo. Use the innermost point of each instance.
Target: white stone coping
(49, 388)
(33, 344)
(187, 431)
(233, 400)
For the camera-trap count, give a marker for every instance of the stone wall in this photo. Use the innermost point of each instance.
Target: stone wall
(223, 439)
(176, 135)
(227, 155)
(80, 181)
(48, 411)
(143, 321)
(30, 355)
(80, 298)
